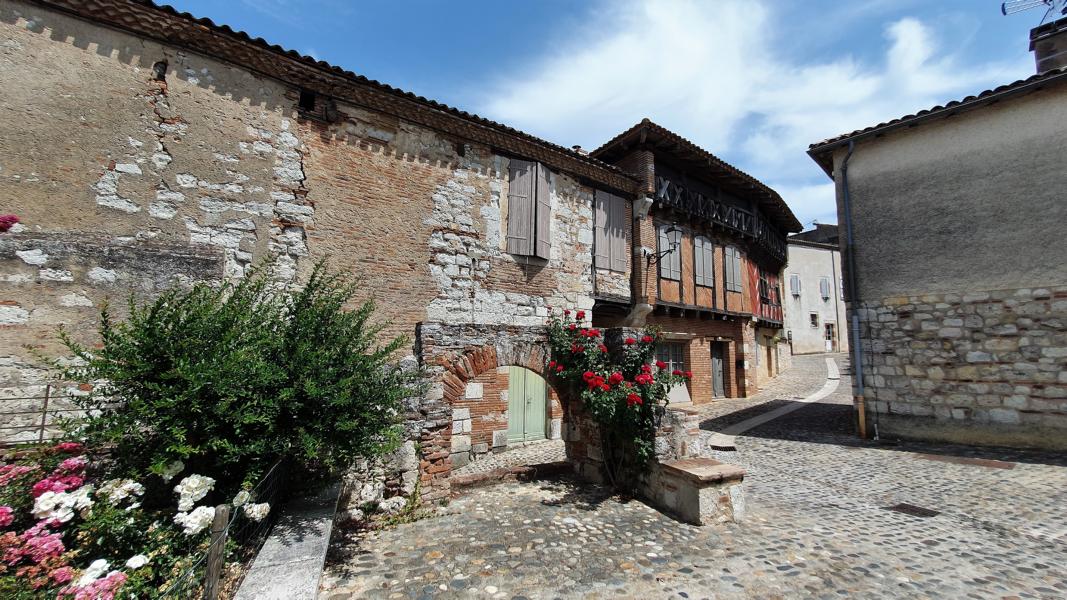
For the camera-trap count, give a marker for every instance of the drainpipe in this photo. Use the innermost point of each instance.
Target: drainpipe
(853, 294)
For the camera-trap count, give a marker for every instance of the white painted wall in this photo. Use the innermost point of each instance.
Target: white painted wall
(811, 264)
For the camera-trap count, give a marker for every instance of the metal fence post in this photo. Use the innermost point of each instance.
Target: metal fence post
(216, 552)
(44, 412)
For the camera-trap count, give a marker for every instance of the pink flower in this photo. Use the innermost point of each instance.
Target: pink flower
(63, 574)
(104, 588)
(9, 472)
(73, 465)
(39, 544)
(6, 516)
(52, 483)
(69, 447)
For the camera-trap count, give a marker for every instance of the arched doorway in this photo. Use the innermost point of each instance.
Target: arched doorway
(528, 405)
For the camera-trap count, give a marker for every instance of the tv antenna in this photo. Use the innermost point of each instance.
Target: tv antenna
(1051, 6)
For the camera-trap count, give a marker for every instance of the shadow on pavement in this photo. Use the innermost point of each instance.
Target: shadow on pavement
(834, 423)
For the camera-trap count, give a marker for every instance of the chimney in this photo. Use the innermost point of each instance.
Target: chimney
(577, 148)
(1049, 45)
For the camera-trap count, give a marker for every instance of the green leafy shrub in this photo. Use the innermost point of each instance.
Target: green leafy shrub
(228, 379)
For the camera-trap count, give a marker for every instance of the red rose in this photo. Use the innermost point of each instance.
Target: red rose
(633, 399)
(630, 341)
(603, 348)
(559, 369)
(580, 315)
(628, 384)
(643, 379)
(605, 387)
(566, 311)
(616, 378)
(594, 333)
(646, 369)
(660, 364)
(572, 327)
(551, 364)
(676, 372)
(688, 374)
(588, 375)
(647, 339)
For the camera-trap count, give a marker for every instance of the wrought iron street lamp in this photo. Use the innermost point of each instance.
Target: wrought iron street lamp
(672, 242)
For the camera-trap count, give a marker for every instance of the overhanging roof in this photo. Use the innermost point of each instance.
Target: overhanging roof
(703, 164)
(822, 152)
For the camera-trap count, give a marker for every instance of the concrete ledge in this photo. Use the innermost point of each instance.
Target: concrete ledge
(704, 470)
(289, 565)
(701, 491)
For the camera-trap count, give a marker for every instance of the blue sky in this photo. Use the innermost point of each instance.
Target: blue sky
(753, 81)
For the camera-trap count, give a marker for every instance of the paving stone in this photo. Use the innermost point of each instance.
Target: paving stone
(817, 524)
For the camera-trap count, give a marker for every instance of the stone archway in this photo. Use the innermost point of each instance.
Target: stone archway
(455, 356)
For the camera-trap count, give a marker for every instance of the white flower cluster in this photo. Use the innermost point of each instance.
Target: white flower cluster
(241, 498)
(194, 522)
(257, 512)
(117, 490)
(191, 489)
(137, 561)
(172, 469)
(93, 572)
(61, 505)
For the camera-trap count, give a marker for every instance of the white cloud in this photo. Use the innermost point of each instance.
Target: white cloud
(711, 72)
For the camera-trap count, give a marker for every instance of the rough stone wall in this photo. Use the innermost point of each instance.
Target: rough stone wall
(981, 367)
(127, 182)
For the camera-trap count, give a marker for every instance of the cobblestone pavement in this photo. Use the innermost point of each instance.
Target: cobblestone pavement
(817, 527)
(533, 453)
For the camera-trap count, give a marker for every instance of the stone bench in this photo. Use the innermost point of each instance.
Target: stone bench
(698, 490)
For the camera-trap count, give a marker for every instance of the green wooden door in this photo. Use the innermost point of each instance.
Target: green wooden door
(527, 394)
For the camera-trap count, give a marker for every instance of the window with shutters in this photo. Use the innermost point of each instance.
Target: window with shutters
(670, 266)
(732, 269)
(703, 261)
(529, 209)
(794, 285)
(764, 288)
(814, 318)
(609, 236)
(824, 288)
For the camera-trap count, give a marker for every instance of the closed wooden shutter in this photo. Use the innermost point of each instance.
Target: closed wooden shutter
(824, 288)
(794, 285)
(543, 218)
(728, 267)
(521, 207)
(601, 246)
(619, 253)
(702, 262)
(698, 261)
(738, 281)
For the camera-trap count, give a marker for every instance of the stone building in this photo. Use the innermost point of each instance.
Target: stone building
(143, 148)
(952, 220)
(708, 246)
(813, 291)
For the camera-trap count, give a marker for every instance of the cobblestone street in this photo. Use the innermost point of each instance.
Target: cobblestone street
(818, 524)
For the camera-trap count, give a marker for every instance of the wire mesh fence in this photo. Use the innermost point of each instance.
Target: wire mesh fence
(236, 537)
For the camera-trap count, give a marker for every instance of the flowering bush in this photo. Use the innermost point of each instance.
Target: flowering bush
(623, 392)
(68, 534)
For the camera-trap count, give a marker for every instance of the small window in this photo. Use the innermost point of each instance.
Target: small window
(673, 354)
(842, 288)
(764, 288)
(670, 266)
(307, 101)
(814, 317)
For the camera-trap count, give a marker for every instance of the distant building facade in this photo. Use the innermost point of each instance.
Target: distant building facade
(955, 231)
(813, 296)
